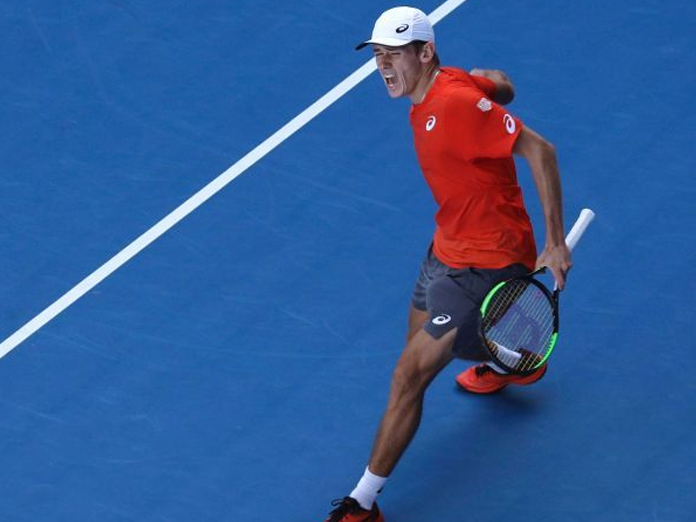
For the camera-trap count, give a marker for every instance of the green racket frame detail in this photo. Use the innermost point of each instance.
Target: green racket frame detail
(487, 300)
(552, 345)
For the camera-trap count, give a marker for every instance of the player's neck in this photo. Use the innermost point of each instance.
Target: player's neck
(424, 84)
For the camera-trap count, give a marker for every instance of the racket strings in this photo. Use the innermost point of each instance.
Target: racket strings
(519, 321)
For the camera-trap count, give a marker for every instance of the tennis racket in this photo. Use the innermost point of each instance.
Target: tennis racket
(519, 317)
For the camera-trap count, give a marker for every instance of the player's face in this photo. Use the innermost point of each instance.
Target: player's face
(400, 67)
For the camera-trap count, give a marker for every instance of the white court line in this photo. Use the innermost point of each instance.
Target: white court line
(202, 196)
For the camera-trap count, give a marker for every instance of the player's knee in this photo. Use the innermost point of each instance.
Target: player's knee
(407, 381)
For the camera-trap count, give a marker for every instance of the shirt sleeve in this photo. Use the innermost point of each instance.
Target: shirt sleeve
(485, 84)
(479, 127)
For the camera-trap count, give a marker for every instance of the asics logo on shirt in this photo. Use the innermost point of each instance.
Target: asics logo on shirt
(430, 124)
(509, 124)
(441, 319)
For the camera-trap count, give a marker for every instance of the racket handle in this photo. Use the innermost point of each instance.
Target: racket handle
(579, 227)
(586, 217)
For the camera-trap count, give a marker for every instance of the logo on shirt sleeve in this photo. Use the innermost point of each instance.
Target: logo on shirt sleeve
(510, 125)
(430, 124)
(484, 104)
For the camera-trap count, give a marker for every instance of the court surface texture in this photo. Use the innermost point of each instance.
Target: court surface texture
(231, 363)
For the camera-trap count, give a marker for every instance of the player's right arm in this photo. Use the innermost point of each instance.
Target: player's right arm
(541, 156)
(504, 90)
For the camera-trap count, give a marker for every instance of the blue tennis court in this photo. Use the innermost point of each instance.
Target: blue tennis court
(236, 367)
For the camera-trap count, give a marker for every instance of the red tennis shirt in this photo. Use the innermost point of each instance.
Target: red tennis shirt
(464, 145)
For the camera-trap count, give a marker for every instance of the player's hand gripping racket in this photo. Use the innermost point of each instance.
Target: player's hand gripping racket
(519, 317)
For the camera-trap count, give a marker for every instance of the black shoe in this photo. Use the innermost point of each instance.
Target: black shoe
(348, 510)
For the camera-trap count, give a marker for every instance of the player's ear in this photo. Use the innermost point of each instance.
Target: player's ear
(427, 52)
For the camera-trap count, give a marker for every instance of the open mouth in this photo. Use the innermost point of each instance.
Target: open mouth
(390, 80)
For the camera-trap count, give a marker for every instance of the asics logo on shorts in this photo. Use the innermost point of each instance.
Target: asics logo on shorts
(441, 319)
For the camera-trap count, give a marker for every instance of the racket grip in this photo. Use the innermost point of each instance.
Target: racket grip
(581, 224)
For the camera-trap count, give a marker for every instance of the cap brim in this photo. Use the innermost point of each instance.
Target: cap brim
(389, 42)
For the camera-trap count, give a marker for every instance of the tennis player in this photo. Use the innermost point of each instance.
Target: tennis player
(465, 141)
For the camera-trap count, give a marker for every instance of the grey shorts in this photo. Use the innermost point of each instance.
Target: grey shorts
(453, 297)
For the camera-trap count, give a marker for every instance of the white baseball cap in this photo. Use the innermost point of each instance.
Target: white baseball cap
(401, 26)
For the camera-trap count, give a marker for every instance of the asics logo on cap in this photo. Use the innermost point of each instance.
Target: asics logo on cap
(441, 319)
(399, 26)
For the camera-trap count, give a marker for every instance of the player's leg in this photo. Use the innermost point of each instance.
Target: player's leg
(422, 359)
(416, 319)
(425, 355)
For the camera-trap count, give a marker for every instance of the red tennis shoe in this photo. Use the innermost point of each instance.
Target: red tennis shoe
(348, 510)
(484, 379)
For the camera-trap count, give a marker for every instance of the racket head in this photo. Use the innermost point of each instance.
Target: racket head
(519, 324)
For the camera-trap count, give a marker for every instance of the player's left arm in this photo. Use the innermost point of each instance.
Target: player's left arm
(504, 89)
(541, 156)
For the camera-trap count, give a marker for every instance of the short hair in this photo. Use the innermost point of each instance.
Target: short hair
(418, 47)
